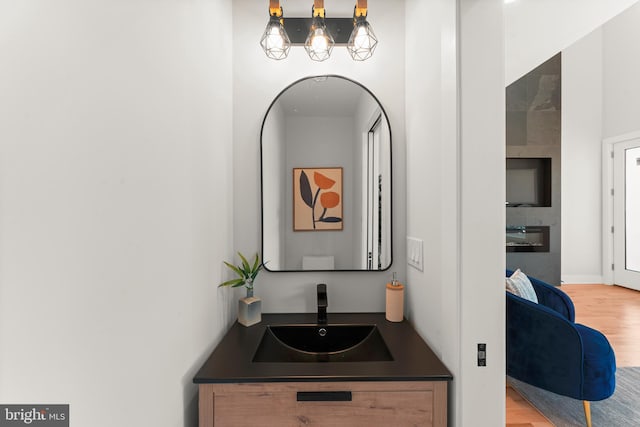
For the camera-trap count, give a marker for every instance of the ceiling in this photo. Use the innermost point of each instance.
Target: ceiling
(536, 30)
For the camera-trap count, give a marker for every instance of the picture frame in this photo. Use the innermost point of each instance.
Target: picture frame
(318, 199)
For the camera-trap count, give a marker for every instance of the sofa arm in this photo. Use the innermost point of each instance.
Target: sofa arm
(543, 347)
(554, 298)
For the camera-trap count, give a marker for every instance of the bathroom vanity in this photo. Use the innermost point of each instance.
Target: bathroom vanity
(358, 369)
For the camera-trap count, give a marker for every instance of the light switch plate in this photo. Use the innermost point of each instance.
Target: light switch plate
(414, 253)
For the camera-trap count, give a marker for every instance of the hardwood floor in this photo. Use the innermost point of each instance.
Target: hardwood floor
(614, 311)
(521, 414)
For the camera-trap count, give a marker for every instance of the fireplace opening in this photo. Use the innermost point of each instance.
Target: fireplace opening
(527, 238)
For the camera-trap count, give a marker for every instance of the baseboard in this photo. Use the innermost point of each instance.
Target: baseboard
(580, 279)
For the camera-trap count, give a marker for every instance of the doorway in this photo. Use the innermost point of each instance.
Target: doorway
(376, 200)
(625, 214)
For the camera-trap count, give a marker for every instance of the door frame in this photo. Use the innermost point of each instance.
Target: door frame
(607, 201)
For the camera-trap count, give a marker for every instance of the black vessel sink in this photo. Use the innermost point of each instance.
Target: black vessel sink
(322, 343)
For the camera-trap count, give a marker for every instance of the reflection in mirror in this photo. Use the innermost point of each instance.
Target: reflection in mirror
(326, 178)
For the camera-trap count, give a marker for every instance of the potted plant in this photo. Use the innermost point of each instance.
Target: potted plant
(250, 307)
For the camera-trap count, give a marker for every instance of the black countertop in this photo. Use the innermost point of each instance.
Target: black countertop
(413, 360)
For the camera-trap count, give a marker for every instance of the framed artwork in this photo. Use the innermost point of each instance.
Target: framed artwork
(317, 199)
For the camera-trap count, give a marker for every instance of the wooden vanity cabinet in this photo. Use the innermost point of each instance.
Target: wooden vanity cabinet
(408, 391)
(335, 404)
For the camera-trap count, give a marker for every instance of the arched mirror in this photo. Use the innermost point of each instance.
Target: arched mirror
(326, 178)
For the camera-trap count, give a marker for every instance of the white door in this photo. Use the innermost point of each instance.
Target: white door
(626, 213)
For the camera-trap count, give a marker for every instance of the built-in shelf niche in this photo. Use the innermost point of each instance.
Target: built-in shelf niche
(528, 182)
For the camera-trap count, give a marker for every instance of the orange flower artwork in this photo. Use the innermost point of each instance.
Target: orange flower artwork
(317, 203)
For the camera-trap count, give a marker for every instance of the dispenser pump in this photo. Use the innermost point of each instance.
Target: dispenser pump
(394, 282)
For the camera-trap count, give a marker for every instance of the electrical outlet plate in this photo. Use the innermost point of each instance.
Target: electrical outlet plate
(415, 253)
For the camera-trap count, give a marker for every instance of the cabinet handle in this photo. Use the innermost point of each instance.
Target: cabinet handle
(324, 396)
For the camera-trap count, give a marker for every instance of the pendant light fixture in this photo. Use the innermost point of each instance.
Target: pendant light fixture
(275, 41)
(362, 41)
(319, 43)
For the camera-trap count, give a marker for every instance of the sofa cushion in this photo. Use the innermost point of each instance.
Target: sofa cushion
(520, 285)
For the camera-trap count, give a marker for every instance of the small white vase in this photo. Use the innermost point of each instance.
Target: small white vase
(249, 309)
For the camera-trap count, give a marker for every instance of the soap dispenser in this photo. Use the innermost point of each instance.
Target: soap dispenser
(395, 301)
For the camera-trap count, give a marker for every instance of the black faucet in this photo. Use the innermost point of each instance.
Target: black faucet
(322, 304)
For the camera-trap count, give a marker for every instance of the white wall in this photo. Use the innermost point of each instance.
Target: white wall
(601, 99)
(582, 79)
(115, 165)
(482, 212)
(433, 295)
(621, 87)
(535, 30)
(458, 300)
(257, 80)
(432, 178)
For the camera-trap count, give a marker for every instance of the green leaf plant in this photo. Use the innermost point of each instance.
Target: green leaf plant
(246, 272)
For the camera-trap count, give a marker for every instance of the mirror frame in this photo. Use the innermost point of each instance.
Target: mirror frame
(386, 117)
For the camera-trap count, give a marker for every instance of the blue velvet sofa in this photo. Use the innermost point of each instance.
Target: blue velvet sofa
(547, 349)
